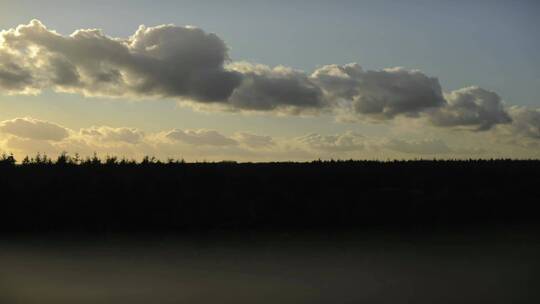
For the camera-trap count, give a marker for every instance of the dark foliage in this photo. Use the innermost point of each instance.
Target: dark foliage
(119, 195)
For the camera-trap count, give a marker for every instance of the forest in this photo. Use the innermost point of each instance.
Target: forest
(69, 194)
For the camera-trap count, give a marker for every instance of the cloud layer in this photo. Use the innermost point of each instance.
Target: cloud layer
(188, 64)
(192, 66)
(28, 136)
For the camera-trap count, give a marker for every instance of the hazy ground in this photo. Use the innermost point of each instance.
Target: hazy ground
(479, 267)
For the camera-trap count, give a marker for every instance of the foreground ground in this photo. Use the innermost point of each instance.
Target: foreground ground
(321, 232)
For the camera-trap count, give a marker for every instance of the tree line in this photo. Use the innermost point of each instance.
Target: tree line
(73, 194)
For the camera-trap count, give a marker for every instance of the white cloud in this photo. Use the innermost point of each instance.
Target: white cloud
(31, 146)
(109, 134)
(200, 137)
(525, 122)
(426, 146)
(348, 141)
(27, 136)
(254, 141)
(31, 128)
(524, 131)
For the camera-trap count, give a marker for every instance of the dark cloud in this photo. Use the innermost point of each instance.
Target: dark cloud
(65, 73)
(166, 61)
(265, 88)
(161, 61)
(30, 128)
(14, 77)
(471, 107)
(380, 94)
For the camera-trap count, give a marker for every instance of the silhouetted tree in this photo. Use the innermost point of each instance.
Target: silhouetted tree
(63, 159)
(122, 194)
(7, 160)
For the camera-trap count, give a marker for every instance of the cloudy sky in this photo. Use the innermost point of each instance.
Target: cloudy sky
(271, 80)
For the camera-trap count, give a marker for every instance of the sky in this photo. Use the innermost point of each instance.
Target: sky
(271, 80)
